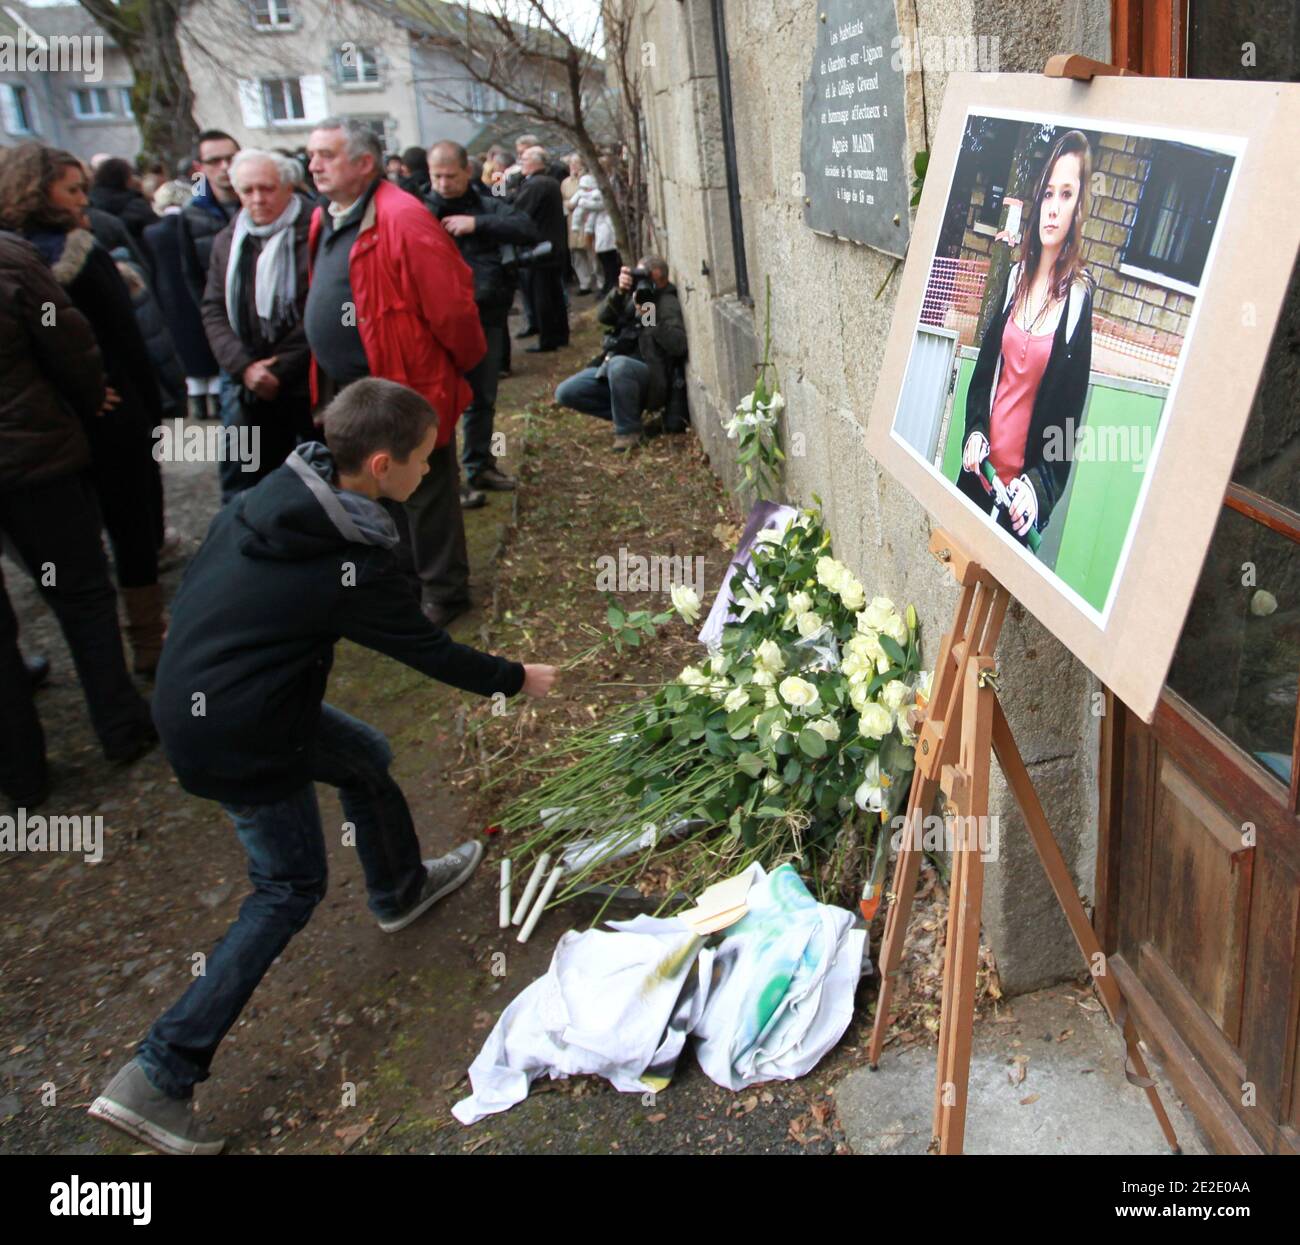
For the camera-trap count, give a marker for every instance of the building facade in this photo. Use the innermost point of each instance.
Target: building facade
(1200, 925)
(63, 81)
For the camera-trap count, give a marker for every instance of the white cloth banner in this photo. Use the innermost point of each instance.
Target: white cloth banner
(765, 999)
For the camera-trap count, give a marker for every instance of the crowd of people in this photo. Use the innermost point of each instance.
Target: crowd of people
(341, 311)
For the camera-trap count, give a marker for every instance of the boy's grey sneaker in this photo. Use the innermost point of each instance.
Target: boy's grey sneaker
(623, 444)
(130, 1102)
(444, 875)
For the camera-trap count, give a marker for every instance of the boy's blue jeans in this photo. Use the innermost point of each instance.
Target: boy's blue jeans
(286, 864)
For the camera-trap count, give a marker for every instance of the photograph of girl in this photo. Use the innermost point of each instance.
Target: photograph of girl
(1062, 288)
(1026, 396)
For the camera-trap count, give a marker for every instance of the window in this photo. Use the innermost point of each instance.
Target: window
(1179, 203)
(484, 101)
(91, 103)
(272, 14)
(17, 109)
(125, 94)
(282, 99)
(356, 66)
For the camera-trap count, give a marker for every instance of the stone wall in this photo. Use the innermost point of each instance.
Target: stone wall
(829, 330)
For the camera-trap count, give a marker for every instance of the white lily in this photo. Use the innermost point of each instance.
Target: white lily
(754, 601)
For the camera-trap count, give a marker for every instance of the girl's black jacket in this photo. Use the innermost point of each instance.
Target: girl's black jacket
(1058, 406)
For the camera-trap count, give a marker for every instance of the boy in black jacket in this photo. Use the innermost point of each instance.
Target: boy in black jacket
(287, 569)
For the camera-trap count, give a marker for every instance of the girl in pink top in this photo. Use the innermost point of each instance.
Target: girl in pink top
(1025, 401)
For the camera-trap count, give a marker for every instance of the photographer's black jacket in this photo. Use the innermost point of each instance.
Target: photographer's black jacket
(660, 344)
(1058, 406)
(496, 223)
(289, 567)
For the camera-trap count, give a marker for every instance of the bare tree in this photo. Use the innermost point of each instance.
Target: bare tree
(578, 84)
(161, 96)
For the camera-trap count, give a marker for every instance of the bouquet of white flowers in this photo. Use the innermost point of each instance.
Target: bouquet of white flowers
(788, 742)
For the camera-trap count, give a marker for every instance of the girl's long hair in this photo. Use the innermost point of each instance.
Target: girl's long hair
(26, 174)
(1069, 266)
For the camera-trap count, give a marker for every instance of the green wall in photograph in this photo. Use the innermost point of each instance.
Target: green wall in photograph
(1102, 494)
(1105, 492)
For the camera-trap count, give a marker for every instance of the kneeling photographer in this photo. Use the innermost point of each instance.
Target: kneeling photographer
(486, 229)
(639, 356)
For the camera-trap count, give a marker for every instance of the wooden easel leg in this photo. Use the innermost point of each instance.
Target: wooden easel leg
(1022, 786)
(907, 865)
(967, 785)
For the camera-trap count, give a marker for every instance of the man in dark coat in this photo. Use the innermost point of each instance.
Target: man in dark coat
(52, 378)
(480, 223)
(541, 199)
(212, 207)
(260, 341)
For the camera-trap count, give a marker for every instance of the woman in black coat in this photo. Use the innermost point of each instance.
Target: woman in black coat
(125, 474)
(114, 191)
(1025, 402)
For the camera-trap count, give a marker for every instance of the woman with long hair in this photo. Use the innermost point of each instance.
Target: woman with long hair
(1026, 396)
(43, 197)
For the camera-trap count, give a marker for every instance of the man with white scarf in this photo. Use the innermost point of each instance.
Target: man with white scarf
(253, 314)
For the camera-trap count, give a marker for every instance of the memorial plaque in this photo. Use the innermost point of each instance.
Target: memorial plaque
(854, 149)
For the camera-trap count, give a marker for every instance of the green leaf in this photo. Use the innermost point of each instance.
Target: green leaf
(811, 744)
(751, 763)
(790, 775)
(893, 650)
(615, 617)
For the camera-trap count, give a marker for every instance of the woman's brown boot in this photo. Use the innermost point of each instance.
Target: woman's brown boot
(145, 626)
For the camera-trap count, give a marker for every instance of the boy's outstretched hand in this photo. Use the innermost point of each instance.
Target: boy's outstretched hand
(538, 680)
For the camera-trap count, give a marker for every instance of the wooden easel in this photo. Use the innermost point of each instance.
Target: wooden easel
(963, 727)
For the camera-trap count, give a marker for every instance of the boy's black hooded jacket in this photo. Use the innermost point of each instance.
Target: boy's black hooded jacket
(288, 568)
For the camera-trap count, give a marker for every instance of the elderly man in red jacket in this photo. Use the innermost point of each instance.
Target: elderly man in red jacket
(390, 296)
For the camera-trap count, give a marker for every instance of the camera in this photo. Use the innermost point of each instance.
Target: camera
(643, 289)
(521, 256)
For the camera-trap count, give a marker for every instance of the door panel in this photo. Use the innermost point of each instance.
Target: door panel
(1200, 896)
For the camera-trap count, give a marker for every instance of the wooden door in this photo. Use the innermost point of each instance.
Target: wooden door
(1198, 895)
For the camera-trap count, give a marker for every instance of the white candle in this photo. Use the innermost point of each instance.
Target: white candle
(505, 894)
(539, 872)
(542, 900)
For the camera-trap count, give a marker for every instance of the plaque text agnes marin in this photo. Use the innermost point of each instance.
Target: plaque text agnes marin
(854, 147)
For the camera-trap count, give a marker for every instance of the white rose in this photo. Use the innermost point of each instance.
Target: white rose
(895, 694)
(876, 721)
(770, 700)
(827, 728)
(896, 629)
(858, 697)
(746, 403)
(768, 656)
(877, 615)
(809, 624)
(852, 593)
(857, 668)
(737, 698)
(799, 693)
(799, 603)
(686, 602)
(763, 678)
(693, 676)
(719, 662)
(830, 573)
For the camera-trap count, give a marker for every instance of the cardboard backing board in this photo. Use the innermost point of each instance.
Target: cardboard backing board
(1129, 642)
